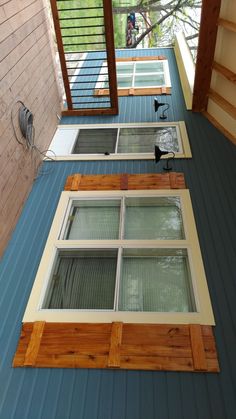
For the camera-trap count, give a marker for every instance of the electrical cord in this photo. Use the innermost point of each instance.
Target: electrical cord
(25, 118)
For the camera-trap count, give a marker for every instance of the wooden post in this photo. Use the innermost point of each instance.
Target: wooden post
(205, 55)
(61, 53)
(110, 46)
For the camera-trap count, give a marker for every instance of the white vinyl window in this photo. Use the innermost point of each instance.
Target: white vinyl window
(128, 256)
(122, 141)
(137, 74)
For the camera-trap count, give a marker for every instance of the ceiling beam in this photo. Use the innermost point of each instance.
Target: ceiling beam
(205, 56)
(223, 103)
(224, 71)
(227, 24)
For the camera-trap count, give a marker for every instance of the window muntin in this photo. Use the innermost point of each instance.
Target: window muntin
(146, 74)
(186, 249)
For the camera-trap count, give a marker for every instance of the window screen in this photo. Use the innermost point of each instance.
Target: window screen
(92, 141)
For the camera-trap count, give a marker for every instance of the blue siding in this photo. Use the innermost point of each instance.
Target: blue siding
(103, 394)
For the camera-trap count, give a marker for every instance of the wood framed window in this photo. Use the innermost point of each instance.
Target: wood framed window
(136, 77)
(120, 141)
(121, 279)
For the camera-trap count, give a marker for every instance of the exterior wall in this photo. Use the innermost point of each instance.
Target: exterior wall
(82, 394)
(26, 73)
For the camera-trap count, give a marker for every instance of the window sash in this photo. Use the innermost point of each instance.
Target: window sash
(136, 72)
(96, 279)
(125, 202)
(64, 141)
(166, 136)
(124, 218)
(203, 314)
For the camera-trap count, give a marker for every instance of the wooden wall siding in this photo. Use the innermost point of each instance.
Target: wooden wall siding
(117, 345)
(27, 74)
(78, 182)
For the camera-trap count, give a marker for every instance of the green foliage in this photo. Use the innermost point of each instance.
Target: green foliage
(77, 34)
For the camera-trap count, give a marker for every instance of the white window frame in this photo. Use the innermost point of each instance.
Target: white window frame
(203, 314)
(102, 76)
(65, 138)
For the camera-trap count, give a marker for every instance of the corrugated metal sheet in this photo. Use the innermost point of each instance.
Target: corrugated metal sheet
(95, 394)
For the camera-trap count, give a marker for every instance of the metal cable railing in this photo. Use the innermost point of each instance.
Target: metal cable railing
(85, 42)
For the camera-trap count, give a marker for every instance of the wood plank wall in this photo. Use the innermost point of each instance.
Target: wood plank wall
(27, 73)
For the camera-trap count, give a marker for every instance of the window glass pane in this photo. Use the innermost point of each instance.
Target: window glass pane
(124, 81)
(156, 280)
(149, 80)
(124, 68)
(150, 67)
(167, 139)
(92, 141)
(153, 218)
(143, 140)
(83, 280)
(94, 220)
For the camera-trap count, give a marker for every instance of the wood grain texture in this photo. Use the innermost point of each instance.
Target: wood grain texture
(198, 350)
(34, 344)
(27, 73)
(224, 71)
(169, 347)
(227, 24)
(223, 103)
(205, 56)
(115, 345)
(144, 58)
(137, 91)
(132, 182)
(110, 47)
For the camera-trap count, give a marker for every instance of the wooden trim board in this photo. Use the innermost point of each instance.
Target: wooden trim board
(80, 182)
(121, 346)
